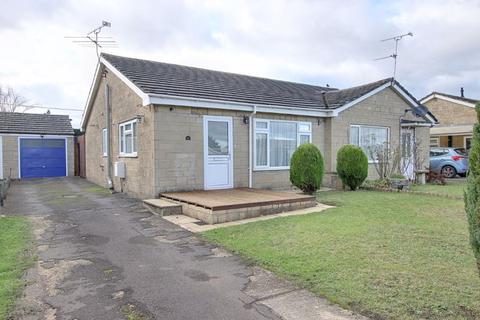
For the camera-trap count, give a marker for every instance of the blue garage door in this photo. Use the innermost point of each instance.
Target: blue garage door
(41, 158)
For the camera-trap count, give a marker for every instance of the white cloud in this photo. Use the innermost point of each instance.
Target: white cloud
(308, 41)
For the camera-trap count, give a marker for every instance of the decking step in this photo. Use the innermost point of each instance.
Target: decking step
(162, 207)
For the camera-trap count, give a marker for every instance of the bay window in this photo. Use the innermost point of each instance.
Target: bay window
(275, 142)
(128, 138)
(369, 137)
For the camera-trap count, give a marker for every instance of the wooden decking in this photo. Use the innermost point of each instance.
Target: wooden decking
(217, 200)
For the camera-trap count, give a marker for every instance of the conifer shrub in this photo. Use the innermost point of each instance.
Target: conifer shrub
(306, 168)
(352, 166)
(472, 193)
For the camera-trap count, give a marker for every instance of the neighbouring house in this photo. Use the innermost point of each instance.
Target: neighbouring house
(153, 127)
(35, 145)
(456, 116)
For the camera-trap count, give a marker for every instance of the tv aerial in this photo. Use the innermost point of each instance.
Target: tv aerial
(92, 39)
(394, 56)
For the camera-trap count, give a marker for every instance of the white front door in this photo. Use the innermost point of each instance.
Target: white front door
(218, 152)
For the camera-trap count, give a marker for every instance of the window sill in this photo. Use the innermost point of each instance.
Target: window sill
(272, 169)
(128, 156)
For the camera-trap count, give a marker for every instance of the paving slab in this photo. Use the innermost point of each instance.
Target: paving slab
(196, 225)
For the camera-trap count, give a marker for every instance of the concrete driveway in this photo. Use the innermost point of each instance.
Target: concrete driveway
(103, 256)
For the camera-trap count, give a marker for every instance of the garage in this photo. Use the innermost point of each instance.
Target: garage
(42, 158)
(36, 145)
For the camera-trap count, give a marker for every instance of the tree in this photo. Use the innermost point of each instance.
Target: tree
(10, 101)
(306, 168)
(352, 166)
(392, 160)
(472, 194)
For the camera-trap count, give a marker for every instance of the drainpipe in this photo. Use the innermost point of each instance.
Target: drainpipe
(108, 128)
(250, 147)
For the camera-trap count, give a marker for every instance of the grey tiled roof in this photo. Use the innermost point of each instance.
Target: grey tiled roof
(32, 123)
(469, 100)
(170, 79)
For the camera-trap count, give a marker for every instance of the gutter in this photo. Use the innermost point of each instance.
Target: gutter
(250, 147)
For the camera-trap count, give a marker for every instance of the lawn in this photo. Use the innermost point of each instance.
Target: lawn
(14, 259)
(386, 255)
(452, 188)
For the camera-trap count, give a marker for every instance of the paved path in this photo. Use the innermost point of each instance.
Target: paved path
(103, 256)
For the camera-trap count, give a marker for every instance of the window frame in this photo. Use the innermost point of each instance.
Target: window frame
(267, 132)
(465, 138)
(122, 141)
(360, 126)
(104, 142)
(437, 142)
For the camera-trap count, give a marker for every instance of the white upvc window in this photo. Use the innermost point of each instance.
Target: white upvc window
(128, 138)
(276, 140)
(368, 137)
(104, 142)
(434, 142)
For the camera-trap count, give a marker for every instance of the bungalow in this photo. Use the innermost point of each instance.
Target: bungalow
(153, 127)
(35, 145)
(456, 116)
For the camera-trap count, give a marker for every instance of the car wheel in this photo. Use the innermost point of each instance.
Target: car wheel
(449, 172)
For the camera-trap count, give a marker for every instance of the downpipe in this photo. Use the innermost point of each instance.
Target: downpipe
(108, 128)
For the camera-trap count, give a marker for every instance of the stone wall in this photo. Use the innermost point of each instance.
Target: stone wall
(382, 109)
(450, 113)
(10, 156)
(180, 162)
(125, 106)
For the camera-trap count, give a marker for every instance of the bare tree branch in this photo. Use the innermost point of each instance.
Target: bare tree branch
(10, 101)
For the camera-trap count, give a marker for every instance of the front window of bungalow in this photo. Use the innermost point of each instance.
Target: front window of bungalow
(275, 142)
(128, 138)
(368, 138)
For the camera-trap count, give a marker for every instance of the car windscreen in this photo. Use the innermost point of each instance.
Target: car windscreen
(461, 151)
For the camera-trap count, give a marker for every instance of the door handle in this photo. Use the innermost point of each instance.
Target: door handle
(43, 167)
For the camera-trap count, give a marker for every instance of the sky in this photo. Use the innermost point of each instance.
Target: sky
(315, 42)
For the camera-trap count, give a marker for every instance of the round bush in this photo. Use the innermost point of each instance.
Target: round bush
(352, 166)
(306, 168)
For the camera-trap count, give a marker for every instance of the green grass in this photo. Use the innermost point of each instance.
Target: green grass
(452, 188)
(14, 259)
(386, 255)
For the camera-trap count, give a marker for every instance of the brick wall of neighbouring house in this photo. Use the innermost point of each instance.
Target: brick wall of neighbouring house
(450, 113)
(126, 105)
(10, 156)
(180, 162)
(382, 109)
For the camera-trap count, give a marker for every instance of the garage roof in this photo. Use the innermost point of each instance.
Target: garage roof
(32, 123)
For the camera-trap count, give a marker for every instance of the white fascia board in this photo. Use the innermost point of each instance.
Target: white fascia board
(412, 102)
(40, 136)
(145, 98)
(130, 84)
(440, 96)
(360, 99)
(417, 124)
(237, 106)
(405, 95)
